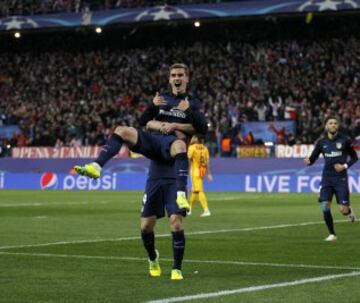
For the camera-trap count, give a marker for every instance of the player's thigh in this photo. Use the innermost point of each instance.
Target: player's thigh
(326, 193)
(154, 146)
(177, 147)
(153, 203)
(342, 194)
(197, 184)
(169, 195)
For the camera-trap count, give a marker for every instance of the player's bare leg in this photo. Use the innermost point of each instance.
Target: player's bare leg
(121, 135)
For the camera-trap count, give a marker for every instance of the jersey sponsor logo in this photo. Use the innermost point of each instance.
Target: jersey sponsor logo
(338, 145)
(48, 180)
(173, 113)
(333, 154)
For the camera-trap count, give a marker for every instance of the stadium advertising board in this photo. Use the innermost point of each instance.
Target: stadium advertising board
(243, 175)
(254, 183)
(61, 152)
(257, 151)
(295, 151)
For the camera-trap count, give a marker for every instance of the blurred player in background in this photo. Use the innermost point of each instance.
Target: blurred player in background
(336, 148)
(199, 158)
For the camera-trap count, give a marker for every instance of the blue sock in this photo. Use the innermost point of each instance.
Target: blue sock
(327, 216)
(178, 241)
(182, 170)
(148, 239)
(110, 149)
(329, 221)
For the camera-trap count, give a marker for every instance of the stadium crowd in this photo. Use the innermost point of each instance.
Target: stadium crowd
(34, 7)
(74, 98)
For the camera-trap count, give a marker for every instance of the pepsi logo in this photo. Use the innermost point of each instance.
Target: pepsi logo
(48, 180)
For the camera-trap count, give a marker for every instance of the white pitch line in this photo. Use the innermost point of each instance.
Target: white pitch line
(240, 263)
(255, 288)
(51, 203)
(204, 232)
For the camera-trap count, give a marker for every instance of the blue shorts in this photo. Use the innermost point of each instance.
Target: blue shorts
(335, 186)
(160, 194)
(154, 146)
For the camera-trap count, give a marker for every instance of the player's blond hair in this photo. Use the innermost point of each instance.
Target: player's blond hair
(180, 65)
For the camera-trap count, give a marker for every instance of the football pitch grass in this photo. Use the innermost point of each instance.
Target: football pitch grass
(85, 247)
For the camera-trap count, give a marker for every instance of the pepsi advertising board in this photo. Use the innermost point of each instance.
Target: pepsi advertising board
(230, 174)
(55, 181)
(273, 183)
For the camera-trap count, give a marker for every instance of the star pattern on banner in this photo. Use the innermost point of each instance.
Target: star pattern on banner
(323, 5)
(161, 13)
(17, 23)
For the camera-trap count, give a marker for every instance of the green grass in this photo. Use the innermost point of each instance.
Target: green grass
(93, 263)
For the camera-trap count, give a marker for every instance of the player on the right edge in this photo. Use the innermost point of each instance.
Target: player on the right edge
(335, 148)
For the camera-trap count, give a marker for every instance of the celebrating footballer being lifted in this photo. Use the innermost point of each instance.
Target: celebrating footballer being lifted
(336, 148)
(169, 122)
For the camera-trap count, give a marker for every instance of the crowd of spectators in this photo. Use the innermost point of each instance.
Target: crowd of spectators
(75, 98)
(34, 7)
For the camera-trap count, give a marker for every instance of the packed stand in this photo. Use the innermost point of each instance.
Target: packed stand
(76, 98)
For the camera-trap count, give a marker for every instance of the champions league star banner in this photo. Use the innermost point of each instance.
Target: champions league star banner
(181, 12)
(242, 175)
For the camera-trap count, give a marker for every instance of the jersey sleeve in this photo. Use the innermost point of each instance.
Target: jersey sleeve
(149, 114)
(351, 152)
(197, 118)
(316, 153)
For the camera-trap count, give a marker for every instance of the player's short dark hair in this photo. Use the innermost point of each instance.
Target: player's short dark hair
(180, 65)
(330, 118)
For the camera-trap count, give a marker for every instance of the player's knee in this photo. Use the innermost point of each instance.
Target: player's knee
(344, 210)
(325, 206)
(178, 147)
(176, 224)
(147, 228)
(147, 225)
(125, 132)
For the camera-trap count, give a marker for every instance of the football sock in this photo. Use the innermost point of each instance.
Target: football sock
(110, 149)
(203, 201)
(148, 239)
(181, 168)
(329, 221)
(193, 198)
(178, 238)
